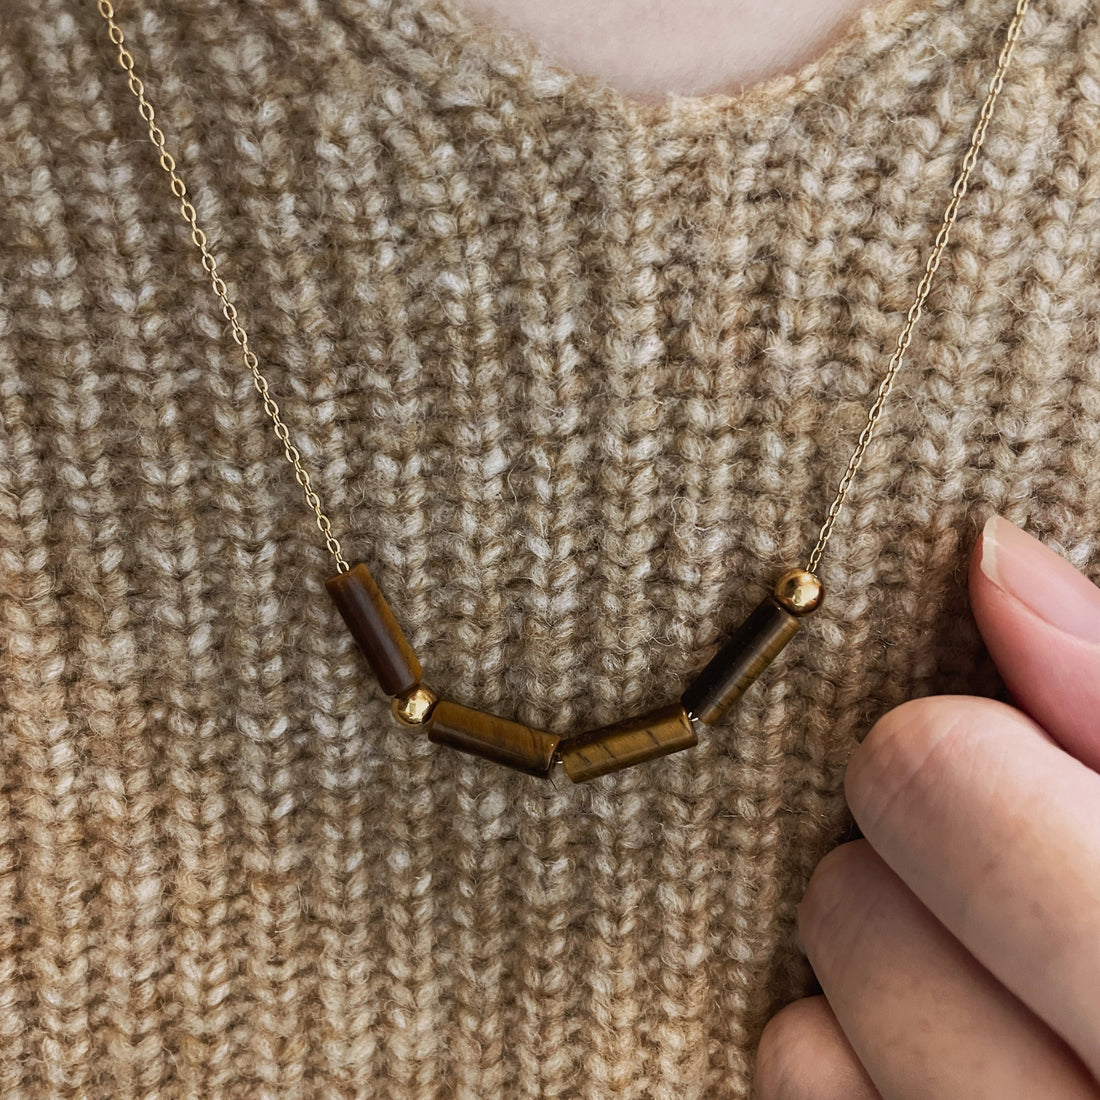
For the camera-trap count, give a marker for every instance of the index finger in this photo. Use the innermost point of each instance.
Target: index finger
(997, 830)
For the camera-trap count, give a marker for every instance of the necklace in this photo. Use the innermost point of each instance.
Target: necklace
(749, 649)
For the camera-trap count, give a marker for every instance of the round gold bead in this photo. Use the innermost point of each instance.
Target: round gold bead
(799, 592)
(414, 708)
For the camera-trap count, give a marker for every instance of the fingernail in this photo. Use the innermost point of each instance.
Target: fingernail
(1022, 566)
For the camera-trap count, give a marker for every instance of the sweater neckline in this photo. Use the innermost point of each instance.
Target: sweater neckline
(904, 35)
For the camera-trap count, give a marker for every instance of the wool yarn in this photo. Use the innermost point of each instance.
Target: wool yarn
(575, 376)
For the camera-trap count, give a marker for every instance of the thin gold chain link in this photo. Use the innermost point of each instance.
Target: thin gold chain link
(915, 310)
(209, 264)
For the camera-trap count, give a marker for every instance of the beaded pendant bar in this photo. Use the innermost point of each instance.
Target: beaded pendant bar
(732, 670)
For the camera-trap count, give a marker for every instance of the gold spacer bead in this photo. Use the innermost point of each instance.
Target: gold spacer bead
(799, 592)
(415, 707)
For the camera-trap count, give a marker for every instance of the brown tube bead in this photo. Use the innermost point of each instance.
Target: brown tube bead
(632, 741)
(735, 667)
(373, 626)
(497, 739)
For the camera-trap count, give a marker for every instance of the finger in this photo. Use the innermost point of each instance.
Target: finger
(1040, 619)
(804, 1055)
(995, 829)
(923, 1016)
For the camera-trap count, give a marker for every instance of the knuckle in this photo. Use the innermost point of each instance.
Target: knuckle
(827, 908)
(788, 1053)
(903, 757)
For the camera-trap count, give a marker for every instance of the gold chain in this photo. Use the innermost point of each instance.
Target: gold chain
(187, 210)
(915, 310)
(210, 266)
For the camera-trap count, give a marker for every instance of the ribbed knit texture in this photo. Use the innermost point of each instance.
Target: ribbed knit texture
(576, 377)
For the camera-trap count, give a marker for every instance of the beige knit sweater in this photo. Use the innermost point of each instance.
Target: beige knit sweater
(576, 377)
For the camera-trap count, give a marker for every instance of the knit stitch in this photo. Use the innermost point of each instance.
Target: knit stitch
(576, 377)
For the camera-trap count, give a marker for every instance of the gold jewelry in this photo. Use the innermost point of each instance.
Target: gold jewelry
(749, 650)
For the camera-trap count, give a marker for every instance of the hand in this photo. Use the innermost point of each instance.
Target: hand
(958, 945)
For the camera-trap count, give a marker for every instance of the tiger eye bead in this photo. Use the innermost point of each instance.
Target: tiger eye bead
(633, 741)
(736, 666)
(415, 707)
(371, 622)
(498, 739)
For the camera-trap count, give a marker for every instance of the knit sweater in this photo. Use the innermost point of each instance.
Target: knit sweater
(576, 377)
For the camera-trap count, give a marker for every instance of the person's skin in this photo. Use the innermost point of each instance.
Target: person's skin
(648, 49)
(958, 944)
